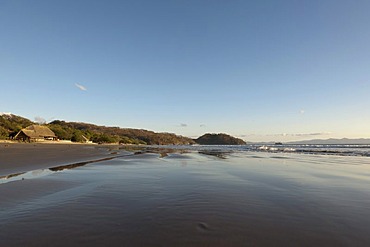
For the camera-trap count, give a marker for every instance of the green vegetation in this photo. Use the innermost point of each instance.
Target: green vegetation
(82, 132)
(3, 133)
(219, 139)
(11, 124)
(103, 134)
(104, 138)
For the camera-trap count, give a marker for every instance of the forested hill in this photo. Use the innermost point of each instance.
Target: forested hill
(10, 124)
(219, 139)
(67, 130)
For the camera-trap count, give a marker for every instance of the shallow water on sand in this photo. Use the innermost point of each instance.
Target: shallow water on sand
(190, 198)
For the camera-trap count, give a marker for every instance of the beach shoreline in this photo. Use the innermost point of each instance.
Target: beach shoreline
(177, 197)
(23, 157)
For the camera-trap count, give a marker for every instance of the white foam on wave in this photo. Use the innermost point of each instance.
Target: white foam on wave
(267, 148)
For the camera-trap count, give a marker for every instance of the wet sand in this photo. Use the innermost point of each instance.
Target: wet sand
(193, 199)
(23, 157)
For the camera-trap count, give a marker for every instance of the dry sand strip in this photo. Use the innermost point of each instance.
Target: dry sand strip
(23, 157)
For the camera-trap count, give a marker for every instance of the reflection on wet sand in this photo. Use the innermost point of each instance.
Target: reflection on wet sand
(154, 197)
(43, 172)
(11, 175)
(75, 165)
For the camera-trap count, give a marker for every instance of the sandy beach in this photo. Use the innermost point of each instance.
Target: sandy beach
(23, 157)
(163, 197)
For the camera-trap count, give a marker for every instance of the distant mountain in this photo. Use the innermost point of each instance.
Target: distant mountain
(219, 139)
(344, 141)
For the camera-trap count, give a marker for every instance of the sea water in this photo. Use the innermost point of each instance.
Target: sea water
(195, 196)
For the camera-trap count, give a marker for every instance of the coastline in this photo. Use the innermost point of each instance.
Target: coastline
(24, 157)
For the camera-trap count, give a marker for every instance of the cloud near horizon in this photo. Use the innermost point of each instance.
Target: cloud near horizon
(303, 134)
(5, 113)
(40, 120)
(312, 134)
(290, 134)
(80, 87)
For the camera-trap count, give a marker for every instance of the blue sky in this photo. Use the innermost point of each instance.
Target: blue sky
(260, 70)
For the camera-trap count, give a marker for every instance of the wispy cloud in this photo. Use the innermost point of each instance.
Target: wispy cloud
(303, 134)
(40, 120)
(315, 134)
(289, 134)
(81, 87)
(301, 111)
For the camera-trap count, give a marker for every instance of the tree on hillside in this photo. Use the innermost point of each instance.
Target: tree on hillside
(104, 138)
(77, 136)
(61, 132)
(4, 134)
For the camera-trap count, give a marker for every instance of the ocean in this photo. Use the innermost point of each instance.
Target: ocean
(324, 149)
(252, 195)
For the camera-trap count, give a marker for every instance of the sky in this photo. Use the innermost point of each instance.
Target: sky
(259, 70)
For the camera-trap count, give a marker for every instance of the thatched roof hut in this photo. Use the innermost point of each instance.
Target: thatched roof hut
(35, 133)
